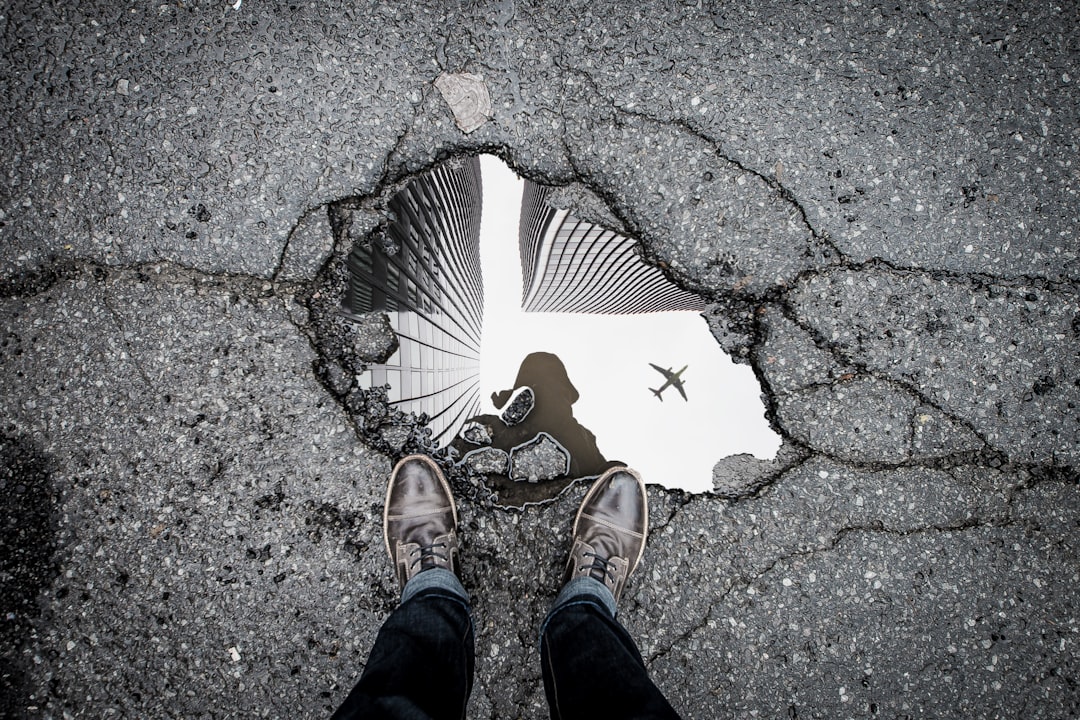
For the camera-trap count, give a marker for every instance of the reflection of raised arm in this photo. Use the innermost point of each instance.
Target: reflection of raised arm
(498, 399)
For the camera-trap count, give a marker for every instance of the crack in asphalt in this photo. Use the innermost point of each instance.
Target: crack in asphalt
(771, 181)
(682, 499)
(838, 537)
(385, 181)
(119, 322)
(163, 271)
(1035, 476)
(507, 12)
(976, 278)
(843, 261)
(255, 286)
(788, 195)
(279, 266)
(844, 358)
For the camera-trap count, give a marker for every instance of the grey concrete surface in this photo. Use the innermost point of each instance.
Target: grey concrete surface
(880, 199)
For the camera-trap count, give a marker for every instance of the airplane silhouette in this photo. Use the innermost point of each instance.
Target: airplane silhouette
(670, 379)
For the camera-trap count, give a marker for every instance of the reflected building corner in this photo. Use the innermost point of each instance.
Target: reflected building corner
(425, 276)
(572, 266)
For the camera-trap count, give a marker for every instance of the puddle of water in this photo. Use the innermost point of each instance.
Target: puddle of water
(673, 442)
(592, 374)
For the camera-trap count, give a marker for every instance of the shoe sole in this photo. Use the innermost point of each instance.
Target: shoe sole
(390, 483)
(595, 489)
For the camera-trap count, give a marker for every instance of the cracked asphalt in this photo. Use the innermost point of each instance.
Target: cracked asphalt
(879, 201)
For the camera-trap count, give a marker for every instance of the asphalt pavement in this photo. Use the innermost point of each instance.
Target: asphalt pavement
(879, 201)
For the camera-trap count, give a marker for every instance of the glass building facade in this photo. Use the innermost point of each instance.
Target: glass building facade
(572, 266)
(432, 291)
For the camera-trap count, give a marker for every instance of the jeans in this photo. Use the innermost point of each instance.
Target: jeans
(421, 666)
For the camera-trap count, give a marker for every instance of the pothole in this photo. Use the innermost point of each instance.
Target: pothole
(561, 308)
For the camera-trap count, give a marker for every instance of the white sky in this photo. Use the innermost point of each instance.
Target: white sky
(674, 443)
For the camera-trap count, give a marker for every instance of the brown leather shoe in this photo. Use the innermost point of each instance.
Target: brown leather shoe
(610, 530)
(419, 519)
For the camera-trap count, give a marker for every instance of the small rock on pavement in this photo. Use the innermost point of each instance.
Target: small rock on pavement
(395, 436)
(542, 458)
(487, 461)
(468, 98)
(373, 338)
(476, 433)
(520, 406)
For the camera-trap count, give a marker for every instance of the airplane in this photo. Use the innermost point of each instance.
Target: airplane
(671, 378)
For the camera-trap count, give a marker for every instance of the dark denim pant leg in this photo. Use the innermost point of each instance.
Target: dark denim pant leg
(592, 668)
(421, 666)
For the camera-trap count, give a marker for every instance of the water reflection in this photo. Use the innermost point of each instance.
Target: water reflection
(552, 413)
(547, 280)
(424, 273)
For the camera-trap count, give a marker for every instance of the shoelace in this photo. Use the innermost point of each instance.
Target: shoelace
(601, 564)
(428, 552)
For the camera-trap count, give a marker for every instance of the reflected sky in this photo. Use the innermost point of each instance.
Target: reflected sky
(607, 359)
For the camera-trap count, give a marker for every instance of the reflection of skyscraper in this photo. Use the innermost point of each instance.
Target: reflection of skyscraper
(431, 290)
(572, 266)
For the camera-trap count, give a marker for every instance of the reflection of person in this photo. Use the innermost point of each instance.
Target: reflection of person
(552, 413)
(421, 665)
